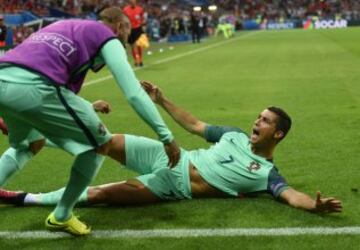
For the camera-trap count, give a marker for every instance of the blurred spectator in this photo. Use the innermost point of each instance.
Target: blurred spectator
(196, 27)
(2, 32)
(171, 17)
(20, 33)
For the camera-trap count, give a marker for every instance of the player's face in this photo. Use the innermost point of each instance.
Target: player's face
(264, 128)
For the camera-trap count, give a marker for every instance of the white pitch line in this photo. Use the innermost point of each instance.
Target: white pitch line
(191, 52)
(187, 233)
(172, 58)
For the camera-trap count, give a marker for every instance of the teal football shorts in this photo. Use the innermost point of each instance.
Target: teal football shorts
(35, 111)
(148, 158)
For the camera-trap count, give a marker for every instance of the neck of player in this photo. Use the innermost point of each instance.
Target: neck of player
(265, 151)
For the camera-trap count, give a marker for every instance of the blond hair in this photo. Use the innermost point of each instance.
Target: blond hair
(112, 15)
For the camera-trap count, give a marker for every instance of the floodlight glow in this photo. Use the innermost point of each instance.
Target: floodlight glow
(197, 8)
(212, 8)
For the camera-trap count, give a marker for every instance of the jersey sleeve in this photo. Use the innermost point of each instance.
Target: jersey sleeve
(115, 58)
(214, 133)
(276, 183)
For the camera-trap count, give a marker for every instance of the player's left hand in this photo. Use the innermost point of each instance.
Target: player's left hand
(173, 152)
(153, 91)
(327, 205)
(102, 106)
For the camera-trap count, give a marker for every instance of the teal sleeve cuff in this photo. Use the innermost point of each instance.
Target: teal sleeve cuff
(115, 58)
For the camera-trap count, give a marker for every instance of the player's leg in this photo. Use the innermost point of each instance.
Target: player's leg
(25, 143)
(140, 56)
(157, 182)
(137, 50)
(129, 192)
(144, 156)
(20, 198)
(14, 159)
(81, 133)
(135, 54)
(49, 109)
(140, 154)
(148, 157)
(160, 185)
(132, 41)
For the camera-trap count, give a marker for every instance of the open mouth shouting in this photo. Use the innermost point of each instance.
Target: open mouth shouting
(255, 134)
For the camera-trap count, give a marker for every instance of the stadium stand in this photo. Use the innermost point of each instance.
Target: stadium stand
(171, 20)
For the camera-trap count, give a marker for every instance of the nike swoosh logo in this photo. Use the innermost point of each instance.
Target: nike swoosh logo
(231, 159)
(52, 224)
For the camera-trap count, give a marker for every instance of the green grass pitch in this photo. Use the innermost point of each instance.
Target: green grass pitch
(314, 75)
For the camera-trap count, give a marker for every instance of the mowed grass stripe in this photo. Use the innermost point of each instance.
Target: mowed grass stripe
(181, 55)
(186, 233)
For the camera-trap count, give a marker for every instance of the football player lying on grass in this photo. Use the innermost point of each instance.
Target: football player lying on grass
(235, 166)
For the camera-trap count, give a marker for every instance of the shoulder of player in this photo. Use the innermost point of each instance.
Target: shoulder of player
(77, 23)
(274, 171)
(237, 139)
(236, 134)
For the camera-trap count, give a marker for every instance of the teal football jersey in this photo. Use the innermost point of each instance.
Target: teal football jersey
(232, 167)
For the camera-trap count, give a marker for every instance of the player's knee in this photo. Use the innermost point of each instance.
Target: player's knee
(36, 146)
(115, 148)
(97, 195)
(105, 148)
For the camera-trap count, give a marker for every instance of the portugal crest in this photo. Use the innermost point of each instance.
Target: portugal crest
(254, 166)
(101, 129)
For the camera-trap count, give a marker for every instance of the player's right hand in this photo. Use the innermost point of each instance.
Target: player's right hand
(102, 106)
(153, 91)
(327, 205)
(173, 153)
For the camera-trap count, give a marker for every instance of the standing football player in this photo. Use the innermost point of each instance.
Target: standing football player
(39, 80)
(135, 13)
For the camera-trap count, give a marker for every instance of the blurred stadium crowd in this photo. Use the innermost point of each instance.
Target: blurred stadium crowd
(165, 18)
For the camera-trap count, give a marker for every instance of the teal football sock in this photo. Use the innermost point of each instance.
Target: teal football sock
(85, 168)
(12, 161)
(51, 198)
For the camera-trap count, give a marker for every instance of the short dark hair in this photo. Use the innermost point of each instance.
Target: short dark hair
(283, 122)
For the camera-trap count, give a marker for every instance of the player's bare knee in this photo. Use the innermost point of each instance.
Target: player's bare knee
(135, 184)
(96, 195)
(105, 148)
(117, 149)
(36, 146)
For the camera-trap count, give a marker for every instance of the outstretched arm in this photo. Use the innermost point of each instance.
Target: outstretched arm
(303, 201)
(184, 118)
(115, 57)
